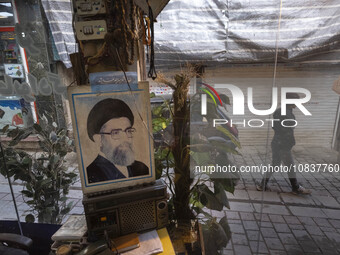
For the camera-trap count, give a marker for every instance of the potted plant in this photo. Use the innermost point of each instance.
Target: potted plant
(191, 197)
(45, 179)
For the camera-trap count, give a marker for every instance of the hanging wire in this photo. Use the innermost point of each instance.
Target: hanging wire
(152, 71)
(268, 126)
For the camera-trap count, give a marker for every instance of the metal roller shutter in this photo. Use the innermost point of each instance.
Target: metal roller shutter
(317, 129)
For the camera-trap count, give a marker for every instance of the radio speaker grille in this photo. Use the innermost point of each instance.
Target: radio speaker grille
(138, 216)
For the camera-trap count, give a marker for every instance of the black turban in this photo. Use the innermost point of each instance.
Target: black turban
(104, 111)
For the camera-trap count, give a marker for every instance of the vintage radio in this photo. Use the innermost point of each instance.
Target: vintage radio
(126, 211)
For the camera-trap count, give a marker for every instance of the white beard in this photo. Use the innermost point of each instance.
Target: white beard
(123, 155)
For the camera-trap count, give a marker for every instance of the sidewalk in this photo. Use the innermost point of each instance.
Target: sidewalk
(289, 224)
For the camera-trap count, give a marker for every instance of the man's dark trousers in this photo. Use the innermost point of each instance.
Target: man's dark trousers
(282, 155)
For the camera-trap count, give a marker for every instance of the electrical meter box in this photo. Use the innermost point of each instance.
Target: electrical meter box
(90, 7)
(91, 30)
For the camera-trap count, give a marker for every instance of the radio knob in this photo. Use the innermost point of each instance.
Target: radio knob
(161, 205)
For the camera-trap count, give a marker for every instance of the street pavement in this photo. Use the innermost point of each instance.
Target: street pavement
(278, 221)
(270, 222)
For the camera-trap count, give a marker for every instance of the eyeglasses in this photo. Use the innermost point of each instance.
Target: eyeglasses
(116, 134)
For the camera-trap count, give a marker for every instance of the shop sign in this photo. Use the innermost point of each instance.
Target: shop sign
(14, 70)
(45, 86)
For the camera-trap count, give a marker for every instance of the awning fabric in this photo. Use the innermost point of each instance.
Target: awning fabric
(59, 15)
(228, 31)
(243, 31)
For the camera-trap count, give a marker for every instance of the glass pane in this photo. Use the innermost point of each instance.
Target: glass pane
(269, 53)
(15, 111)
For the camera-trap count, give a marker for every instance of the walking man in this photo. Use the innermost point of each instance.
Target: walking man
(282, 144)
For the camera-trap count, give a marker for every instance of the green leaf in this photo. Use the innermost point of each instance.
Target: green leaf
(37, 128)
(4, 129)
(27, 193)
(16, 139)
(159, 121)
(22, 134)
(200, 211)
(159, 172)
(228, 183)
(159, 124)
(27, 160)
(225, 225)
(152, 95)
(230, 135)
(29, 218)
(43, 158)
(65, 210)
(209, 242)
(45, 182)
(157, 110)
(199, 148)
(222, 146)
(220, 194)
(13, 132)
(71, 175)
(28, 187)
(63, 199)
(62, 153)
(198, 138)
(61, 132)
(220, 237)
(44, 146)
(225, 99)
(54, 159)
(201, 158)
(207, 198)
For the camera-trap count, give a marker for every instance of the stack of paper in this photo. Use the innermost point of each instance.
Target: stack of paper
(125, 243)
(72, 230)
(149, 244)
(71, 233)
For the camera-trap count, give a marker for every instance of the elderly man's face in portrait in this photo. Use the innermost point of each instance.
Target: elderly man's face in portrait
(116, 141)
